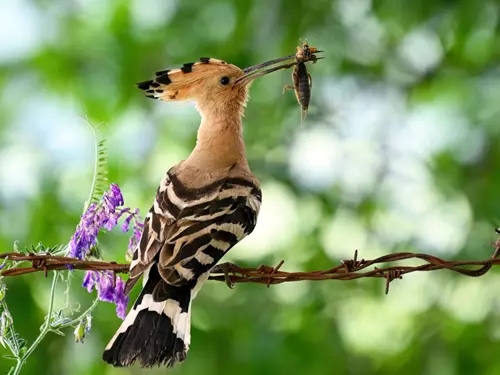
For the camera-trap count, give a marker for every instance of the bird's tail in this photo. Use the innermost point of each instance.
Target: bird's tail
(156, 330)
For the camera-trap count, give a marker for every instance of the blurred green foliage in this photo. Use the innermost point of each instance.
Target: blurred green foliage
(401, 151)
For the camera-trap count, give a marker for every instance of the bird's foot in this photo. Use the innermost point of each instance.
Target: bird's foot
(225, 269)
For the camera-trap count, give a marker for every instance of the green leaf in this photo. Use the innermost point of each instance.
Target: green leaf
(99, 183)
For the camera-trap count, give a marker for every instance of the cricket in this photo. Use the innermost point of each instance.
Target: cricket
(302, 81)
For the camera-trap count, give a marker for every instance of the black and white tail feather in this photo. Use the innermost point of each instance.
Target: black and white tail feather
(186, 232)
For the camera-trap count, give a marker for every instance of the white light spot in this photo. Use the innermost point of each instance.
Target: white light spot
(291, 293)
(360, 168)
(19, 173)
(21, 30)
(362, 110)
(56, 127)
(480, 294)
(470, 147)
(415, 293)
(344, 234)
(446, 227)
(421, 49)
(133, 142)
(352, 11)
(366, 41)
(372, 326)
(315, 158)
(151, 14)
(430, 129)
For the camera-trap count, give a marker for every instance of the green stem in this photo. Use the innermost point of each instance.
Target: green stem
(45, 329)
(11, 371)
(77, 320)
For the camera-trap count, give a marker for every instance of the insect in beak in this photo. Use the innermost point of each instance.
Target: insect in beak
(302, 81)
(252, 72)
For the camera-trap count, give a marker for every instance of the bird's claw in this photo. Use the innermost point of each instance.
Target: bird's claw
(225, 269)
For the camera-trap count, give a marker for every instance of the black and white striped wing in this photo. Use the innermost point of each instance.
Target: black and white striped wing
(189, 230)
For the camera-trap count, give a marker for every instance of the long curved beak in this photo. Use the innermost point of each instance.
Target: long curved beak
(255, 71)
(254, 68)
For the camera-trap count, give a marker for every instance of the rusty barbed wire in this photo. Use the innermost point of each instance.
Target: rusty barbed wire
(350, 269)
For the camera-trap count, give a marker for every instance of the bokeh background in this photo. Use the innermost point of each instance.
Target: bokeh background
(400, 152)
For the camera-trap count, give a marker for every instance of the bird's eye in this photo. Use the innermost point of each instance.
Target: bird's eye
(224, 81)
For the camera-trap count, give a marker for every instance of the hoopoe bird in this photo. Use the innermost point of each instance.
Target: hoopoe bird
(203, 207)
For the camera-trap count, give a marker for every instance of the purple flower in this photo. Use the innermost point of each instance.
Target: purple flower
(111, 221)
(108, 289)
(104, 215)
(121, 300)
(128, 219)
(115, 195)
(112, 200)
(89, 280)
(86, 233)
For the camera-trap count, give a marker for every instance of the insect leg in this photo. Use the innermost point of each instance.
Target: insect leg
(288, 87)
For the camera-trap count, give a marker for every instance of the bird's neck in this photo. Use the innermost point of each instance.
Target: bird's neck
(220, 138)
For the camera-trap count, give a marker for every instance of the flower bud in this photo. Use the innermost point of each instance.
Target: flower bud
(79, 332)
(83, 328)
(3, 290)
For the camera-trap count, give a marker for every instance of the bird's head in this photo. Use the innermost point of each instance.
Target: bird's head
(209, 82)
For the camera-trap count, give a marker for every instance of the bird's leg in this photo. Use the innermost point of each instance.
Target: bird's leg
(225, 268)
(288, 87)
